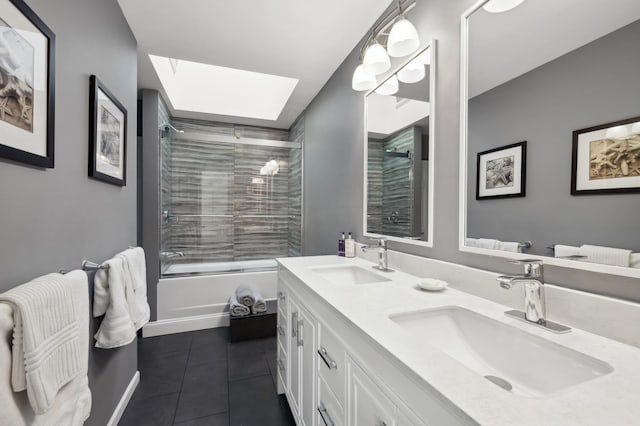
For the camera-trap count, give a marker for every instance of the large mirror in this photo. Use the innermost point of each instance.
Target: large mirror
(550, 132)
(398, 151)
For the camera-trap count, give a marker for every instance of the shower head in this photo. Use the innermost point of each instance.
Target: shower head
(166, 127)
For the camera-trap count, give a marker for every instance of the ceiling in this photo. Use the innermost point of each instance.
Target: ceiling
(289, 38)
(537, 32)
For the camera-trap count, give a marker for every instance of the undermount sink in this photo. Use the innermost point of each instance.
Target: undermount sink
(513, 359)
(348, 275)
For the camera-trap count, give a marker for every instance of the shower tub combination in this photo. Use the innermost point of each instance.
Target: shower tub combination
(226, 218)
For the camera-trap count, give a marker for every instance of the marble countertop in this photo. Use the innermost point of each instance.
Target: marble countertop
(611, 399)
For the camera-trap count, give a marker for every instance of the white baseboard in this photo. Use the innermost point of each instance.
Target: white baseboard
(124, 401)
(181, 325)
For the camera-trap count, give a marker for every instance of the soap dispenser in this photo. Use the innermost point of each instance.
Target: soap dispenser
(341, 245)
(350, 246)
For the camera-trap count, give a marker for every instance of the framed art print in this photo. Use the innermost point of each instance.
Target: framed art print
(501, 172)
(606, 158)
(107, 135)
(27, 64)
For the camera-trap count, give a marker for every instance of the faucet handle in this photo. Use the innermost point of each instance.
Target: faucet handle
(532, 267)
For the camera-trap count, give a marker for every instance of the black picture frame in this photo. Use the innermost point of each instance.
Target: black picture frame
(577, 167)
(46, 135)
(98, 137)
(518, 174)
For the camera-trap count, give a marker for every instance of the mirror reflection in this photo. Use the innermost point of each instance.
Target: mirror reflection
(560, 81)
(398, 116)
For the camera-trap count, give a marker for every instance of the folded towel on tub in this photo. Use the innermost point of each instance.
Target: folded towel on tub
(259, 305)
(236, 308)
(50, 341)
(245, 295)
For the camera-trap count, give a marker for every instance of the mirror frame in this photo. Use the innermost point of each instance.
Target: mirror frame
(462, 219)
(431, 45)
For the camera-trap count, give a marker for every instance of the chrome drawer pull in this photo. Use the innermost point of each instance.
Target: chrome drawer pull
(331, 364)
(325, 415)
(294, 325)
(280, 365)
(280, 330)
(300, 330)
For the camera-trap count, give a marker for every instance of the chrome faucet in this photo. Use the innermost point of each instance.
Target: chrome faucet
(383, 263)
(171, 254)
(535, 310)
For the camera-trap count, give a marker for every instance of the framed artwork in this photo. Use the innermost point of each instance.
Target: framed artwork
(27, 66)
(107, 135)
(501, 172)
(606, 158)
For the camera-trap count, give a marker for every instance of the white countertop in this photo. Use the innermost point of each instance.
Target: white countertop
(612, 399)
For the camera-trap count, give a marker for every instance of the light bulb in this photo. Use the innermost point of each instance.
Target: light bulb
(389, 87)
(403, 38)
(412, 72)
(362, 80)
(499, 6)
(376, 61)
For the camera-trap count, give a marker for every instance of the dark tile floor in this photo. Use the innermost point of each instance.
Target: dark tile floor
(200, 378)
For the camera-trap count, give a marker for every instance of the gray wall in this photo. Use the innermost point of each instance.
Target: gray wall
(334, 161)
(585, 88)
(52, 219)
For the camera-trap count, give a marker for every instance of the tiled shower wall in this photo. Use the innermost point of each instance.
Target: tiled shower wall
(296, 134)
(390, 185)
(221, 208)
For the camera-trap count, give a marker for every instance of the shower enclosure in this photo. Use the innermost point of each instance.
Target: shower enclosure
(230, 198)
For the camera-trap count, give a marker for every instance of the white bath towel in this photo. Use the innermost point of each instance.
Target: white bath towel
(49, 348)
(634, 260)
(120, 294)
(237, 309)
(560, 250)
(471, 242)
(259, 305)
(112, 287)
(488, 243)
(245, 295)
(606, 255)
(509, 246)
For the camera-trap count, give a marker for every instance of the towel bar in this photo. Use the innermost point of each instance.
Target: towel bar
(88, 265)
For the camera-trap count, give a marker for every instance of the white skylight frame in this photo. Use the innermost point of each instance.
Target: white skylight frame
(205, 88)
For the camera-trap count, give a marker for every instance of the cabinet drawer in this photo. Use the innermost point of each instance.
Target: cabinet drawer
(281, 330)
(367, 403)
(281, 365)
(331, 361)
(330, 412)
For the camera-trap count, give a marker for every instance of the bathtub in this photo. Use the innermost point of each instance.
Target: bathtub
(195, 296)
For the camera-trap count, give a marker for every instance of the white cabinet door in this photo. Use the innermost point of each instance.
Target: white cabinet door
(307, 333)
(367, 405)
(294, 367)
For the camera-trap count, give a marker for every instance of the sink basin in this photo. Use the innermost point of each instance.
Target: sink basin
(349, 275)
(513, 359)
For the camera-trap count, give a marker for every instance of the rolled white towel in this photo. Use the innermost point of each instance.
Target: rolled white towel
(237, 309)
(471, 242)
(245, 296)
(259, 305)
(606, 255)
(634, 260)
(488, 243)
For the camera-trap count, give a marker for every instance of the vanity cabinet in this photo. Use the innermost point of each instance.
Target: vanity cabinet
(338, 376)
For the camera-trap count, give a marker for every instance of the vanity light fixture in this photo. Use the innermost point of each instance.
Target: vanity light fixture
(401, 40)
(389, 87)
(499, 6)
(414, 71)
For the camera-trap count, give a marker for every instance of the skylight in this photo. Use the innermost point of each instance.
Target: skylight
(197, 87)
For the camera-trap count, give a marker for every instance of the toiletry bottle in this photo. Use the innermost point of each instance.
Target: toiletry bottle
(350, 246)
(341, 245)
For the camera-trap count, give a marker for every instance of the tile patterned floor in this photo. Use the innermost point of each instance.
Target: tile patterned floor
(201, 379)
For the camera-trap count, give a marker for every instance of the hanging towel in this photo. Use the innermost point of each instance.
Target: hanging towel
(49, 348)
(135, 269)
(487, 243)
(509, 246)
(245, 295)
(634, 260)
(606, 255)
(259, 305)
(560, 250)
(237, 309)
(112, 287)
